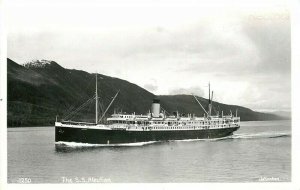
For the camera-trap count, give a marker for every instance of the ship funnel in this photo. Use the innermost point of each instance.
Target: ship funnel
(155, 109)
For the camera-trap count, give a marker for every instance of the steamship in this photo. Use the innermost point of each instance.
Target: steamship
(122, 128)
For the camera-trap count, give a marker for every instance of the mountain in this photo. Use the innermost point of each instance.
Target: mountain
(285, 114)
(187, 104)
(41, 90)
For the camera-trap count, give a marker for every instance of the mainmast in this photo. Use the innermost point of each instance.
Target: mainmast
(200, 104)
(209, 92)
(96, 119)
(209, 101)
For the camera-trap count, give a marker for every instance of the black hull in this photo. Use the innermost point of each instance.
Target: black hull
(100, 136)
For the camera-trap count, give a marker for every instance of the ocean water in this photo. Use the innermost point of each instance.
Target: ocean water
(259, 151)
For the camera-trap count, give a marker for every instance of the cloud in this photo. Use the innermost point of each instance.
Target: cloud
(192, 90)
(150, 87)
(272, 38)
(178, 50)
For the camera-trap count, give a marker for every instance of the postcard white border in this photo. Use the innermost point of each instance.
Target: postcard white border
(294, 185)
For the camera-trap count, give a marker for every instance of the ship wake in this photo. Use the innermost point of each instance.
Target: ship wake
(245, 136)
(78, 145)
(261, 135)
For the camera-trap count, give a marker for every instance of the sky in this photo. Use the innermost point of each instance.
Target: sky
(243, 48)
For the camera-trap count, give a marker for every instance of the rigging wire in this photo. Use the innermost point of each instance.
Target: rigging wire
(200, 104)
(109, 106)
(165, 111)
(87, 88)
(79, 108)
(101, 105)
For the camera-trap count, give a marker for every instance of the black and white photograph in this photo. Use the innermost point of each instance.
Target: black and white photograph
(148, 92)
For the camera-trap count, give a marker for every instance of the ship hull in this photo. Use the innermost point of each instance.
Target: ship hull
(100, 136)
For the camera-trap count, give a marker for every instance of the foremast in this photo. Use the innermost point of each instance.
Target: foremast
(97, 120)
(96, 106)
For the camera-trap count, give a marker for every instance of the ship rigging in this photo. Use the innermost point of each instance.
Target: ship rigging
(154, 126)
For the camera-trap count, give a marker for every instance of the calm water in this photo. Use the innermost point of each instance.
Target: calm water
(258, 151)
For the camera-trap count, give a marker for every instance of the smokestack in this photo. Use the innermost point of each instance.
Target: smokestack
(155, 109)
